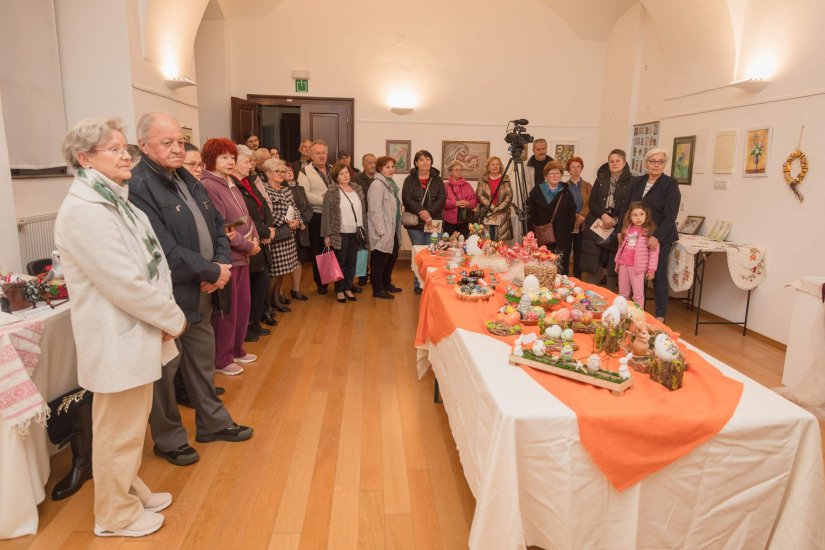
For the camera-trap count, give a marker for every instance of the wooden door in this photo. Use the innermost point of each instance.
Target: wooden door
(290, 136)
(330, 121)
(246, 116)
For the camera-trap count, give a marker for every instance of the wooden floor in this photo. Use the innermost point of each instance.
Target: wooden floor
(349, 450)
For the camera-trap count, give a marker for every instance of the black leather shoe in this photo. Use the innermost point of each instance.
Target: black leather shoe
(282, 309)
(81, 444)
(261, 331)
(362, 281)
(298, 296)
(418, 290)
(384, 295)
(269, 319)
(393, 288)
(182, 456)
(357, 290)
(322, 290)
(233, 433)
(251, 336)
(351, 298)
(285, 301)
(219, 390)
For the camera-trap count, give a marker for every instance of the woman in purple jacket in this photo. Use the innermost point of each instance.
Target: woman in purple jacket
(460, 194)
(219, 156)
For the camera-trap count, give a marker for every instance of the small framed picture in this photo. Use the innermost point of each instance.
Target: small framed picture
(399, 149)
(757, 151)
(681, 168)
(720, 230)
(691, 225)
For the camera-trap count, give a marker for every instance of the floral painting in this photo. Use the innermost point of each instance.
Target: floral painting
(563, 152)
(757, 151)
(681, 168)
(400, 151)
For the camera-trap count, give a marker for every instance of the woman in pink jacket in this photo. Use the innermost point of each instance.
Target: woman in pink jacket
(460, 194)
(219, 156)
(635, 263)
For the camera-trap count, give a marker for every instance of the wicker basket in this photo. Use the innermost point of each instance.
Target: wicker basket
(667, 373)
(545, 272)
(473, 297)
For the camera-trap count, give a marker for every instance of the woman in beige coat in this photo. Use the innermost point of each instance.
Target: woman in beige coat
(384, 228)
(124, 319)
(495, 196)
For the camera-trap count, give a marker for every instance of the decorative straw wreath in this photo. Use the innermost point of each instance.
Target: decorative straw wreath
(803, 170)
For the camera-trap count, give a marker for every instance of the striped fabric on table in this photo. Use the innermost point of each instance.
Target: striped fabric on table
(20, 401)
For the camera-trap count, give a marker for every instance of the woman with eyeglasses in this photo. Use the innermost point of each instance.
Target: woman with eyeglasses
(286, 216)
(192, 160)
(608, 202)
(661, 194)
(551, 203)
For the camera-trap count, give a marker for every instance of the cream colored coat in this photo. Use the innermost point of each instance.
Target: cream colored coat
(383, 227)
(118, 315)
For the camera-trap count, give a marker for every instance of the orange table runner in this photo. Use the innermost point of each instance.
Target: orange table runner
(630, 436)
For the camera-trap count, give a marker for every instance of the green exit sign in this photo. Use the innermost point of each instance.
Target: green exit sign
(301, 86)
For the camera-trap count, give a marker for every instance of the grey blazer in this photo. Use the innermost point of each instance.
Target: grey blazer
(384, 226)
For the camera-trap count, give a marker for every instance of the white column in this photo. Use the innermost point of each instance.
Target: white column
(9, 242)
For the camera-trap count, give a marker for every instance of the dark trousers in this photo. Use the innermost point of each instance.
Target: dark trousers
(258, 291)
(316, 246)
(347, 257)
(462, 228)
(381, 266)
(577, 251)
(660, 282)
(196, 363)
(608, 260)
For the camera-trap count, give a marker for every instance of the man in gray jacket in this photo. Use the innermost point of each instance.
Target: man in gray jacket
(190, 230)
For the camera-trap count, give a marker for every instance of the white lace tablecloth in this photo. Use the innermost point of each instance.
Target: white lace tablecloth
(746, 263)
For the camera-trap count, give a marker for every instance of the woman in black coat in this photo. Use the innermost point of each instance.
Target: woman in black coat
(608, 201)
(661, 193)
(551, 202)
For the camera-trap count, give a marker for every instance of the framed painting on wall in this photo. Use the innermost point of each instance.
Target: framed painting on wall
(563, 150)
(399, 149)
(472, 155)
(757, 151)
(681, 166)
(645, 137)
(724, 151)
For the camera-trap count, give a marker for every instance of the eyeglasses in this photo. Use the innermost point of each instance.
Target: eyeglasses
(114, 151)
(279, 172)
(651, 161)
(554, 173)
(195, 165)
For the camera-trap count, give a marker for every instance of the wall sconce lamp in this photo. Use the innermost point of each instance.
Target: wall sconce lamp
(179, 82)
(402, 110)
(751, 85)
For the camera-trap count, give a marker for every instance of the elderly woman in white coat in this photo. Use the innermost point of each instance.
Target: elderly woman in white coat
(124, 319)
(384, 228)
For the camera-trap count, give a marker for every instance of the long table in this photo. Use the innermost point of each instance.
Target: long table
(758, 484)
(24, 460)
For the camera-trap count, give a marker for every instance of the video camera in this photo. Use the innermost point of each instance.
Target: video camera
(516, 136)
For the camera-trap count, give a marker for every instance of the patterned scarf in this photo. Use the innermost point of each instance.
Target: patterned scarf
(152, 250)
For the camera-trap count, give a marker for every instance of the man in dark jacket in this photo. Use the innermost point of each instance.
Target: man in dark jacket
(366, 177)
(190, 230)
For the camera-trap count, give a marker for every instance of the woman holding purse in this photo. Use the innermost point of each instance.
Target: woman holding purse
(285, 221)
(553, 211)
(495, 196)
(461, 200)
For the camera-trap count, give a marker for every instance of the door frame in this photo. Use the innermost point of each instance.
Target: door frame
(297, 101)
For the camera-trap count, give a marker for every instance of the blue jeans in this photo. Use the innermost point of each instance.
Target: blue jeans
(417, 236)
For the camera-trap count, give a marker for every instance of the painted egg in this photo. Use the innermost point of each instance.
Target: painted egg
(587, 316)
(564, 292)
(553, 331)
(539, 349)
(611, 317)
(620, 303)
(530, 285)
(570, 299)
(665, 348)
(557, 281)
(562, 315)
(580, 297)
(567, 334)
(576, 314)
(539, 311)
(578, 290)
(567, 352)
(594, 362)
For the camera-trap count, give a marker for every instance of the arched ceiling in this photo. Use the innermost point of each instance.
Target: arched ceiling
(590, 19)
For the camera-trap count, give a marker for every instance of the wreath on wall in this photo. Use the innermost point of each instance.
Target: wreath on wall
(803, 170)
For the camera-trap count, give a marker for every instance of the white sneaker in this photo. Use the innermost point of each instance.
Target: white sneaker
(158, 502)
(231, 369)
(146, 524)
(248, 358)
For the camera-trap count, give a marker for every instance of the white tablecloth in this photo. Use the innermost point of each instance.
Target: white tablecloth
(24, 460)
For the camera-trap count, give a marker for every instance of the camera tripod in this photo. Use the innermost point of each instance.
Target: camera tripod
(520, 203)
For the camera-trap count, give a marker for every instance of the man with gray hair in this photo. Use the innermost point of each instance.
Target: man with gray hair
(315, 178)
(191, 232)
(534, 169)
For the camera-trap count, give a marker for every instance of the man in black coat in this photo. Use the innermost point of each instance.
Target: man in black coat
(190, 231)
(661, 193)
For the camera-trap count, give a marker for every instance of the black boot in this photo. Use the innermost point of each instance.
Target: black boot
(81, 456)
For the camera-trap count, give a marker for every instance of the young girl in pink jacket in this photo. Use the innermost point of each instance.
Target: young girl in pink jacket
(634, 261)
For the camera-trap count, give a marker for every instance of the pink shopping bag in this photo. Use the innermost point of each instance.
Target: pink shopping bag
(328, 267)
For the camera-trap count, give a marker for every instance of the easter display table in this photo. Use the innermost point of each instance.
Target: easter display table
(758, 483)
(24, 459)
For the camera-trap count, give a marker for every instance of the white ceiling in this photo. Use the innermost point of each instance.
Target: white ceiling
(590, 19)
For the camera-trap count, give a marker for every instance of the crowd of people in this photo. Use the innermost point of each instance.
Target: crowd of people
(183, 266)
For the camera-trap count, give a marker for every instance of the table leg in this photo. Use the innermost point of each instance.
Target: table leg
(747, 308)
(700, 279)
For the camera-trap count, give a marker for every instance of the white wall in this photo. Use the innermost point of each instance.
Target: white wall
(213, 72)
(763, 211)
(9, 243)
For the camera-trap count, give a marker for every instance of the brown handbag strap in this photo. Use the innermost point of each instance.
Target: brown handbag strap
(558, 203)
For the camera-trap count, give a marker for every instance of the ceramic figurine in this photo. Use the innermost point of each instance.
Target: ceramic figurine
(623, 370)
(567, 352)
(594, 362)
(620, 303)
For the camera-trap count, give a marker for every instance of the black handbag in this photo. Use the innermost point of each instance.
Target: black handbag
(466, 215)
(282, 233)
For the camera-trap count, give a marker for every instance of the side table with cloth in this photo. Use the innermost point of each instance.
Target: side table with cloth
(24, 460)
(757, 483)
(804, 372)
(686, 270)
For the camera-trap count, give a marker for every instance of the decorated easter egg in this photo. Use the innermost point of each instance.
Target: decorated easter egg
(562, 315)
(530, 285)
(576, 314)
(539, 349)
(553, 331)
(567, 352)
(578, 290)
(611, 317)
(557, 281)
(539, 311)
(513, 318)
(620, 303)
(665, 348)
(564, 292)
(594, 362)
(567, 334)
(587, 316)
(570, 299)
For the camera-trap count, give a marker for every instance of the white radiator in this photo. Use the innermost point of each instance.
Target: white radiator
(36, 237)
